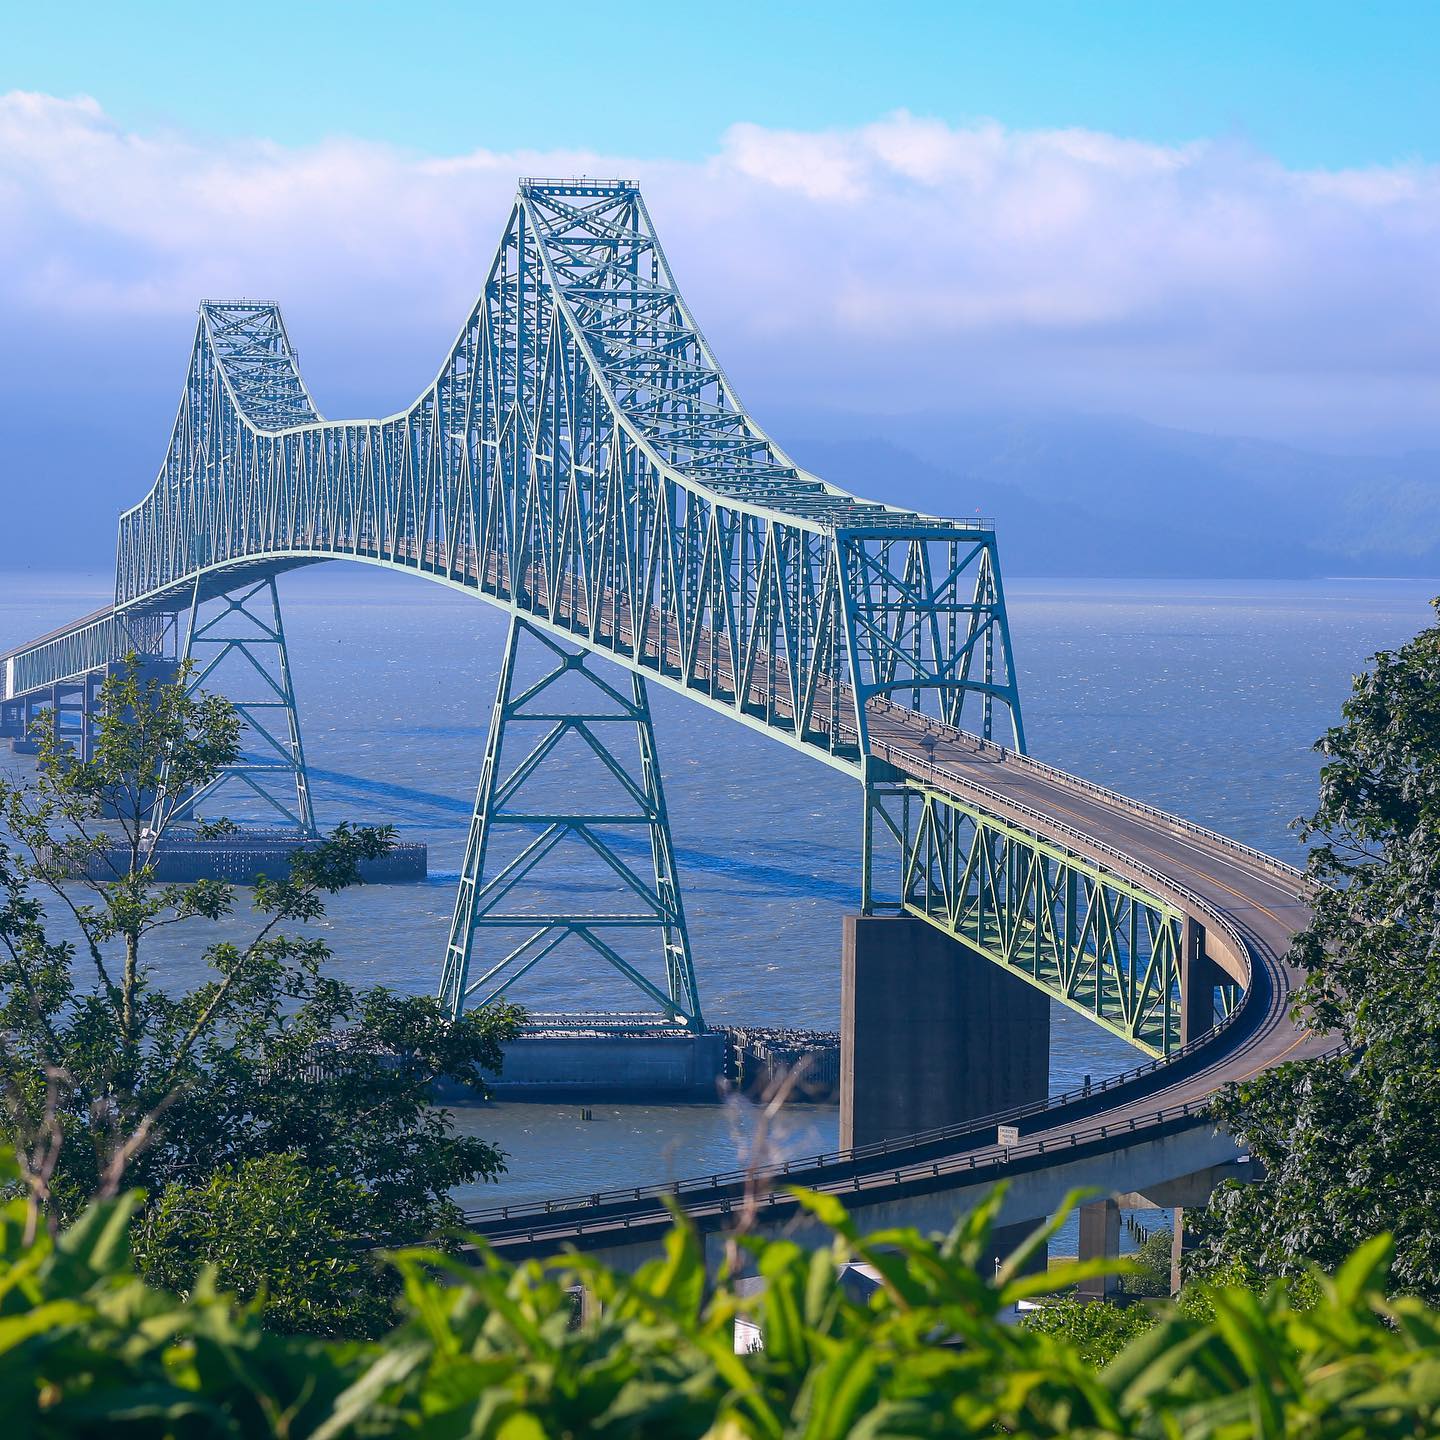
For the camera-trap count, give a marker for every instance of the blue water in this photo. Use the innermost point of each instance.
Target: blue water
(1201, 697)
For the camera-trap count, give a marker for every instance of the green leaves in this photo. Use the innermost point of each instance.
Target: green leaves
(294, 1236)
(279, 1119)
(490, 1349)
(1349, 1146)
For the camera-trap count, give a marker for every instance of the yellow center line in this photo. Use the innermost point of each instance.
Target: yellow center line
(1265, 1064)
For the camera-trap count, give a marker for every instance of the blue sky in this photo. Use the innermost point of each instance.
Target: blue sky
(1215, 217)
(1320, 83)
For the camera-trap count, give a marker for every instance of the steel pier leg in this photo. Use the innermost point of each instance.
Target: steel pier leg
(238, 649)
(517, 829)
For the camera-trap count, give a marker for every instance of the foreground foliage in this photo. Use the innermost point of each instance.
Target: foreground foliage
(1349, 1145)
(279, 1120)
(493, 1350)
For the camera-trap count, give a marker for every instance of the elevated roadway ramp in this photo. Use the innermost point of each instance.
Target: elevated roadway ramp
(1144, 1132)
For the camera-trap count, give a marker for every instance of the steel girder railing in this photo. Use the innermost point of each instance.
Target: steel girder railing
(81, 649)
(1089, 937)
(709, 1193)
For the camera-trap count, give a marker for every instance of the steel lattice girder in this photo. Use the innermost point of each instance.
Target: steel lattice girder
(494, 898)
(87, 647)
(1084, 935)
(582, 460)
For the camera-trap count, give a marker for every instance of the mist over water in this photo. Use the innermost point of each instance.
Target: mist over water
(1204, 698)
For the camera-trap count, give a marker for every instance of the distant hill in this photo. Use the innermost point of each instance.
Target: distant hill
(1116, 497)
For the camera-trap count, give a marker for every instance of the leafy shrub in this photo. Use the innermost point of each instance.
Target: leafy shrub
(1151, 1276)
(275, 1229)
(491, 1350)
(1098, 1331)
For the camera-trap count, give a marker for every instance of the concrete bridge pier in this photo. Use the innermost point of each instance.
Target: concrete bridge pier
(1100, 1219)
(1199, 977)
(1100, 1237)
(931, 1034)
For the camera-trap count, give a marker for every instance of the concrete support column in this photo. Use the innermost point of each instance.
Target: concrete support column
(1199, 975)
(1100, 1238)
(1180, 1246)
(931, 1034)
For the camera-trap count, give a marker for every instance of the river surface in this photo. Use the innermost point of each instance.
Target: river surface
(1204, 698)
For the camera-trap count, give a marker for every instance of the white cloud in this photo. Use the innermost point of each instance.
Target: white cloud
(902, 263)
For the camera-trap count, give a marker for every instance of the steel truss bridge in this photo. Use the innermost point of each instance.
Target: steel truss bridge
(582, 462)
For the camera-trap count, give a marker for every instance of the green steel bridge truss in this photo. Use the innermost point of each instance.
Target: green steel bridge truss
(582, 461)
(1084, 935)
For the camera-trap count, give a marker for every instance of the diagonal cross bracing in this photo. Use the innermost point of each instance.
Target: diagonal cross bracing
(582, 461)
(1085, 935)
(548, 808)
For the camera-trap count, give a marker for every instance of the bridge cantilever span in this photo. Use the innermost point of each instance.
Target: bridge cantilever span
(582, 462)
(1142, 1131)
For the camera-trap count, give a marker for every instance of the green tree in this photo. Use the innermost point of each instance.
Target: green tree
(1097, 1330)
(277, 1228)
(1151, 1277)
(111, 1080)
(1349, 1146)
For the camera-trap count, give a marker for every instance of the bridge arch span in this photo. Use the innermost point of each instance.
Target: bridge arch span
(582, 462)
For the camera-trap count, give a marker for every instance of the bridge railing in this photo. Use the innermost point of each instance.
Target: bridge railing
(1048, 825)
(87, 645)
(985, 1158)
(698, 1185)
(1111, 797)
(988, 1158)
(61, 655)
(1154, 812)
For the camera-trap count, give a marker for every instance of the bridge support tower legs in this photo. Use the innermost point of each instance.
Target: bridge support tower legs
(236, 643)
(541, 870)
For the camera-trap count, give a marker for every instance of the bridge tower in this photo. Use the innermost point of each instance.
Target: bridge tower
(551, 858)
(234, 643)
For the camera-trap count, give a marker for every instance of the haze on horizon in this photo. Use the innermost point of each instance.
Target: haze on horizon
(1143, 283)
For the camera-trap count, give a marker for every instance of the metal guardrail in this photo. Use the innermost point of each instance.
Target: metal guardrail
(856, 1154)
(1154, 812)
(994, 1157)
(1051, 826)
(1103, 792)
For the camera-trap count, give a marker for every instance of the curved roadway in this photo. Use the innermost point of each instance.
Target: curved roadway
(1250, 903)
